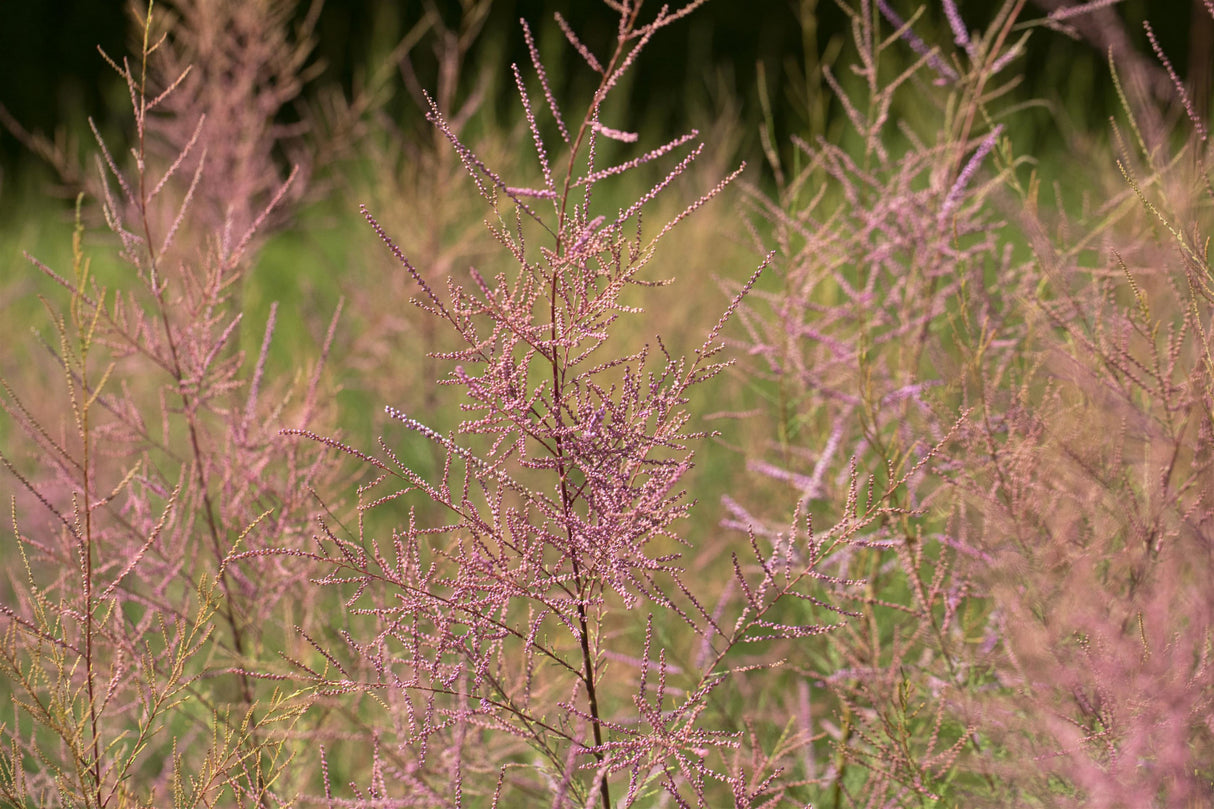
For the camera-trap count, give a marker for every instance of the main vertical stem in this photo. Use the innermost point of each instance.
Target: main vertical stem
(86, 541)
(190, 411)
(588, 677)
(592, 698)
(84, 528)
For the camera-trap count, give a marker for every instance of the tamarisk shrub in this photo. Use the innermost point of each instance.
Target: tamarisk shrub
(891, 262)
(1089, 484)
(1034, 629)
(526, 629)
(132, 642)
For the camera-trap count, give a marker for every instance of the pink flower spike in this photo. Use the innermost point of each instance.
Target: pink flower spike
(615, 134)
(960, 35)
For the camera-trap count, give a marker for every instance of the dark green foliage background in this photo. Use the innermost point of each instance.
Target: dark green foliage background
(51, 74)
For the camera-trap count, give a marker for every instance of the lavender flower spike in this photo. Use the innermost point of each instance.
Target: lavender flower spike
(963, 179)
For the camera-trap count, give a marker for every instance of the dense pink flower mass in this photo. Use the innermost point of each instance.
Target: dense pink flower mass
(957, 551)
